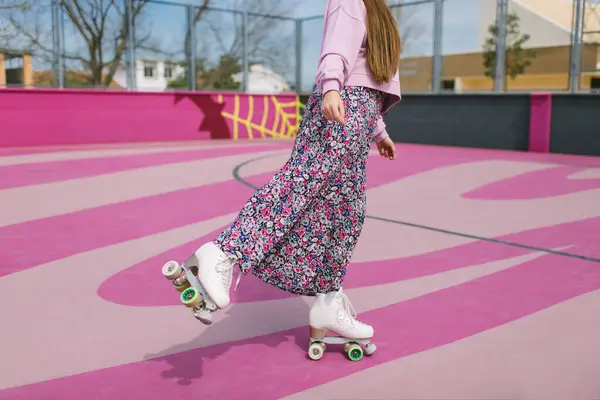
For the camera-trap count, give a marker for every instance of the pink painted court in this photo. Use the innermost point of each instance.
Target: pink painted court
(479, 269)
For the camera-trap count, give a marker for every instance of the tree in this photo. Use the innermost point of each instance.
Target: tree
(517, 58)
(98, 39)
(219, 50)
(13, 4)
(221, 76)
(9, 5)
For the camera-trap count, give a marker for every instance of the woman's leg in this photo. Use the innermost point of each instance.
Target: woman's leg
(265, 223)
(332, 309)
(313, 255)
(277, 207)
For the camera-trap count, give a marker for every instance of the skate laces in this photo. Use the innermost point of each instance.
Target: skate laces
(347, 306)
(225, 268)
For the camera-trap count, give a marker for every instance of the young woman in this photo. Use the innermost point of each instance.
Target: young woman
(298, 232)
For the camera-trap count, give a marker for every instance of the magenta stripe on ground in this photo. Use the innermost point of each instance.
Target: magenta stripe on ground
(580, 236)
(529, 185)
(39, 241)
(402, 329)
(152, 288)
(53, 171)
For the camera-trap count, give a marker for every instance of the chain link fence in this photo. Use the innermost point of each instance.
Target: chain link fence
(153, 45)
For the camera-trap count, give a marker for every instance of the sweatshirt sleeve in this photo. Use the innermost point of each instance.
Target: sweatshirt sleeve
(343, 38)
(380, 132)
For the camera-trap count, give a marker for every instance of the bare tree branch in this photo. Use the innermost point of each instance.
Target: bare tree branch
(9, 5)
(97, 37)
(197, 16)
(97, 34)
(12, 4)
(269, 38)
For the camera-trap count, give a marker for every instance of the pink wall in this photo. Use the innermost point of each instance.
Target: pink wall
(37, 117)
(540, 118)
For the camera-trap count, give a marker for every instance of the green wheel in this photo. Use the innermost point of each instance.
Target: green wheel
(190, 297)
(355, 352)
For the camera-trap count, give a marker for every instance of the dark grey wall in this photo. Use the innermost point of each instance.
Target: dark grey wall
(468, 120)
(575, 124)
(494, 121)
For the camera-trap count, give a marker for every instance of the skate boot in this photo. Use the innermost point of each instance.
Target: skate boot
(334, 312)
(204, 281)
(215, 272)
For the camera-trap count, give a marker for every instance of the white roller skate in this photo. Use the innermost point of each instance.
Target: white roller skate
(334, 312)
(204, 281)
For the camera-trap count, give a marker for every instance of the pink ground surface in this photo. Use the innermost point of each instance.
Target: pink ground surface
(89, 228)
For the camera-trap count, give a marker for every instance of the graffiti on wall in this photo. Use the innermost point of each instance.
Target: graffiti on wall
(263, 116)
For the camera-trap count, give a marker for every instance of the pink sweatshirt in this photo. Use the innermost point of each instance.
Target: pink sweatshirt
(343, 59)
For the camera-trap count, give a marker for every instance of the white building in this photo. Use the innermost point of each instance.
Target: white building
(153, 75)
(263, 80)
(150, 75)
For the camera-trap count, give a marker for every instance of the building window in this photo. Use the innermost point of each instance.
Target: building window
(595, 83)
(168, 71)
(149, 71)
(448, 85)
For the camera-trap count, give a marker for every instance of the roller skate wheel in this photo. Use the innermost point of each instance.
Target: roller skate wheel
(370, 349)
(190, 297)
(347, 347)
(355, 352)
(171, 270)
(315, 351)
(182, 287)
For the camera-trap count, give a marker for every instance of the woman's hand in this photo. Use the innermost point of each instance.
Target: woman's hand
(387, 148)
(333, 107)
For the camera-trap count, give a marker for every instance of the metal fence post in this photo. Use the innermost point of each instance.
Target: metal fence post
(575, 67)
(298, 55)
(57, 33)
(55, 56)
(191, 50)
(245, 51)
(500, 68)
(438, 59)
(131, 57)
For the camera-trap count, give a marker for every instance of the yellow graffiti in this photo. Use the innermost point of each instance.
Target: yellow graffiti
(284, 124)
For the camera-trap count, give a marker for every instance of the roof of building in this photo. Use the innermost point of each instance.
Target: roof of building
(14, 53)
(560, 14)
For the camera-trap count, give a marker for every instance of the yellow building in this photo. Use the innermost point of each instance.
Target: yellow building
(549, 70)
(16, 70)
(548, 23)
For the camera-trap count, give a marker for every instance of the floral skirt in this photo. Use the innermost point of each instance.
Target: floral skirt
(298, 232)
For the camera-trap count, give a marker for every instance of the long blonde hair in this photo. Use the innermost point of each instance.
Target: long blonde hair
(383, 41)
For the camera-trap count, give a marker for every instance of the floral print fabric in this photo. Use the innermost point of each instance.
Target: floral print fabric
(298, 232)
